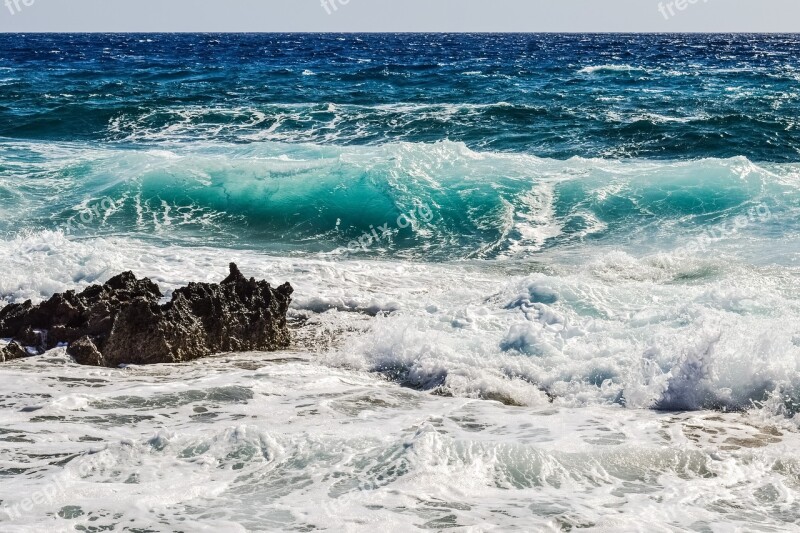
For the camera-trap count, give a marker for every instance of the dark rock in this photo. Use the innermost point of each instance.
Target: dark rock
(33, 338)
(85, 352)
(121, 322)
(66, 317)
(11, 351)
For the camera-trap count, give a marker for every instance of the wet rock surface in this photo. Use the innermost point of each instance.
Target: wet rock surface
(122, 322)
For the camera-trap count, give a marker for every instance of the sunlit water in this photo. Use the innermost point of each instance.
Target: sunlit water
(541, 282)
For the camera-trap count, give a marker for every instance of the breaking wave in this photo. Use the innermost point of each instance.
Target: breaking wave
(439, 201)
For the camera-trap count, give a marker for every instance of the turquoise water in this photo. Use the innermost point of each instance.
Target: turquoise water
(301, 143)
(307, 199)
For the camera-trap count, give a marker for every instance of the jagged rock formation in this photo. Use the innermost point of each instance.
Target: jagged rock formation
(122, 322)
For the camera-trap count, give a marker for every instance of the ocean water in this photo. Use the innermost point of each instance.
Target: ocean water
(543, 282)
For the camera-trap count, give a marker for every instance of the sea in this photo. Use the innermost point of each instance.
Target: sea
(543, 282)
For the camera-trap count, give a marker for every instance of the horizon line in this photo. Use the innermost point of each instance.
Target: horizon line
(548, 32)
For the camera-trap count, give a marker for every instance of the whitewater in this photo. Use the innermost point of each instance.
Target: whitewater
(493, 330)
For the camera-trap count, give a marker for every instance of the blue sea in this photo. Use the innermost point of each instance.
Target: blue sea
(542, 282)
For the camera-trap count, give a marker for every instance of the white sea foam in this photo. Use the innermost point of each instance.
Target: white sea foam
(552, 389)
(610, 68)
(254, 442)
(616, 329)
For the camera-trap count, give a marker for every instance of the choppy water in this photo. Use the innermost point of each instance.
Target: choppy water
(542, 282)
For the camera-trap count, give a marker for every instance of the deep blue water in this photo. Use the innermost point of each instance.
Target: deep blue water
(669, 96)
(301, 142)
